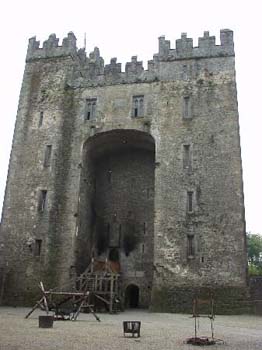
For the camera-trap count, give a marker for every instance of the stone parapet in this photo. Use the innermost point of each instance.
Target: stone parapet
(90, 70)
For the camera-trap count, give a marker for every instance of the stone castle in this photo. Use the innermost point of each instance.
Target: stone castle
(140, 167)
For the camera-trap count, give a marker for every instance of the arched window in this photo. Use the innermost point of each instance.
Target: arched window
(138, 106)
(90, 111)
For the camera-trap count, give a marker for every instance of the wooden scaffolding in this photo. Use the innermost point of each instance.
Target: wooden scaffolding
(102, 280)
(98, 285)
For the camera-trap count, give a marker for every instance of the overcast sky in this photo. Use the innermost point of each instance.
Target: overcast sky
(126, 28)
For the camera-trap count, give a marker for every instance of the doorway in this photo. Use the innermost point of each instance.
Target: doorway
(132, 296)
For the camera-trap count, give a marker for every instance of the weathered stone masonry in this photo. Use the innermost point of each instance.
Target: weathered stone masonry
(141, 166)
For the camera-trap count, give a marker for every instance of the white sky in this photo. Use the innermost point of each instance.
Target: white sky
(125, 28)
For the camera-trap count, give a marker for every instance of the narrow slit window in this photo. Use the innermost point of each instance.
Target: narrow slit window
(186, 157)
(138, 106)
(184, 73)
(190, 246)
(144, 228)
(38, 246)
(109, 176)
(41, 118)
(42, 201)
(189, 201)
(90, 112)
(186, 107)
(47, 158)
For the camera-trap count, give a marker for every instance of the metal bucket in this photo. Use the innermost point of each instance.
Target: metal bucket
(46, 321)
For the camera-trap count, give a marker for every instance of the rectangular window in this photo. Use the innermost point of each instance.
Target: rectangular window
(189, 201)
(38, 245)
(47, 158)
(42, 200)
(90, 111)
(41, 118)
(187, 157)
(144, 228)
(190, 246)
(184, 72)
(186, 107)
(138, 106)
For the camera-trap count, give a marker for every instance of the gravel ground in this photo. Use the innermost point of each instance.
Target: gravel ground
(158, 332)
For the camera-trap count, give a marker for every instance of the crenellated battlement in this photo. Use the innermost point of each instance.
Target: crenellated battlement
(51, 48)
(206, 47)
(92, 70)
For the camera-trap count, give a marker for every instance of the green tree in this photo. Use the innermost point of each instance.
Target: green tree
(254, 253)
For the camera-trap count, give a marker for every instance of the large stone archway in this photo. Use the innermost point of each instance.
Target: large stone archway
(116, 204)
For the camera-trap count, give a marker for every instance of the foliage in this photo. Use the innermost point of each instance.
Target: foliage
(254, 253)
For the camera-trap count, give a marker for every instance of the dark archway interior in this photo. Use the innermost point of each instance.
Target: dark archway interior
(113, 254)
(132, 296)
(116, 210)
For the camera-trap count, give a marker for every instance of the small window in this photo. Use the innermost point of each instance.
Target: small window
(38, 245)
(190, 246)
(47, 158)
(184, 72)
(41, 118)
(144, 228)
(187, 157)
(42, 201)
(189, 201)
(109, 176)
(90, 112)
(138, 106)
(187, 107)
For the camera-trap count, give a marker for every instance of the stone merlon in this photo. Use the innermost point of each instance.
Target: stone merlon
(184, 49)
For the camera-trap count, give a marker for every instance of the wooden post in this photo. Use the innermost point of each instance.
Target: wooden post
(2, 286)
(111, 294)
(92, 265)
(44, 297)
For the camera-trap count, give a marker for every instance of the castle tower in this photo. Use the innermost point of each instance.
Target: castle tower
(141, 167)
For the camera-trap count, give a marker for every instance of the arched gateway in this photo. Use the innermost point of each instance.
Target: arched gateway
(116, 209)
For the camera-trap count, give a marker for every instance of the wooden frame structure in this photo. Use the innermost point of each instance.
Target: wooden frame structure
(47, 303)
(100, 282)
(197, 302)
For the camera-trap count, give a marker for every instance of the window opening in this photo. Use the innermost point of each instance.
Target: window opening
(47, 159)
(42, 200)
(138, 106)
(186, 113)
(41, 118)
(189, 201)
(186, 157)
(190, 245)
(90, 108)
(109, 176)
(185, 72)
(38, 244)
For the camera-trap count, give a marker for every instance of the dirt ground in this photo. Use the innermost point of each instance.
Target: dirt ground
(158, 332)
